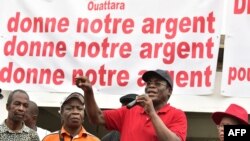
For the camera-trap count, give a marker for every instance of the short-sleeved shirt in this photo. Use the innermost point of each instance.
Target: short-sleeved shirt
(42, 132)
(83, 135)
(24, 134)
(135, 125)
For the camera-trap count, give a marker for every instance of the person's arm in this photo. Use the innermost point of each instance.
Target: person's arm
(93, 111)
(163, 133)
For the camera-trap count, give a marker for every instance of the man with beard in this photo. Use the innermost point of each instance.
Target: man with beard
(72, 116)
(13, 128)
(152, 119)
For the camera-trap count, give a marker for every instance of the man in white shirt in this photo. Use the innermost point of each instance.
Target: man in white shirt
(31, 120)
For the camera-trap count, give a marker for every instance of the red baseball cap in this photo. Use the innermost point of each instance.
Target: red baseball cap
(234, 111)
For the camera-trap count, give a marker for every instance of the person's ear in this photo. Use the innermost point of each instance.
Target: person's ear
(60, 112)
(170, 90)
(7, 107)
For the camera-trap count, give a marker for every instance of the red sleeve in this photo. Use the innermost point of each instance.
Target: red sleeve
(179, 124)
(114, 118)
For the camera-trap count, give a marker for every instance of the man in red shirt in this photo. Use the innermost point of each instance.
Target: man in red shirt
(152, 119)
(115, 135)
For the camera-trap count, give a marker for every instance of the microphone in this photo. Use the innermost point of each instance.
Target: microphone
(131, 104)
(1, 95)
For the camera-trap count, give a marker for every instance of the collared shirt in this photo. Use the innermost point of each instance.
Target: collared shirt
(135, 125)
(24, 134)
(83, 135)
(42, 132)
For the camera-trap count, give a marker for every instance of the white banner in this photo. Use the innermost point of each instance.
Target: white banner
(44, 44)
(236, 67)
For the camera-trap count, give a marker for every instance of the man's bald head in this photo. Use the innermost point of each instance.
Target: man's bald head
(31, 115)
(33, 108)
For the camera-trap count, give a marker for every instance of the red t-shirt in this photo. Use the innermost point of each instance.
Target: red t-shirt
(135, 125)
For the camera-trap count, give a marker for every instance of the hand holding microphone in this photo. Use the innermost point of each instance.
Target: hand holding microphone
(134, 102)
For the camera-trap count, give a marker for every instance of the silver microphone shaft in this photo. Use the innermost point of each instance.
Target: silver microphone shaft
(131, 104)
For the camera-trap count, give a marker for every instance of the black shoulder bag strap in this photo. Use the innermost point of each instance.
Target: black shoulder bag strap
(60, 136)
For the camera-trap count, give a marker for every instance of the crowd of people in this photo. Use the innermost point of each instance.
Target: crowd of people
(149, 118)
